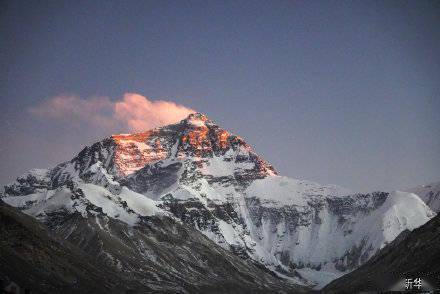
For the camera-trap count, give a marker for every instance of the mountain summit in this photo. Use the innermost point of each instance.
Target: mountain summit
(196, 173)
(196, 138)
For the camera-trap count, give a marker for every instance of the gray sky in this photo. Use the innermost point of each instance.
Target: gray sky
(342, 92)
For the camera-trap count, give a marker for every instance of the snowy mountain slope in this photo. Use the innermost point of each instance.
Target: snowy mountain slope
(213, 181)
(430, 194)
(411, 255)
(80, 197)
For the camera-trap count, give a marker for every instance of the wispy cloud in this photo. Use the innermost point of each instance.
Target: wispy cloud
(96, 111)
(133, 112)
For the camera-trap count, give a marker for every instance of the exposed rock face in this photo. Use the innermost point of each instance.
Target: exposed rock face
(211, 180)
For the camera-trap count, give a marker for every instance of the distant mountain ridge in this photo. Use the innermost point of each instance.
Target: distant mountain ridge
(430, 194)
(196, 173)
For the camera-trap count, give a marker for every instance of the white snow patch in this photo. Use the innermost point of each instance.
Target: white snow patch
(139, 203)
(280, 191)
(101, 197)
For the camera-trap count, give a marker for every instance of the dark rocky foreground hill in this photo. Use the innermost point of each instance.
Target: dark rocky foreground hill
(67, 261)
(35, 260)
(412, 255)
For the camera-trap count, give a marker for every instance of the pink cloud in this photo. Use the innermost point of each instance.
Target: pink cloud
(139, 113)
(134, 112)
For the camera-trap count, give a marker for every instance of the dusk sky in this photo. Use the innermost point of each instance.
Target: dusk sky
(341, 92)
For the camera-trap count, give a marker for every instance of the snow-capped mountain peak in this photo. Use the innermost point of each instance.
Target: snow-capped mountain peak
(197, 119)
(212, 180)
(196, 139)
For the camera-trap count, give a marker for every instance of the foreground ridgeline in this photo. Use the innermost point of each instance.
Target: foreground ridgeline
(189, 206)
